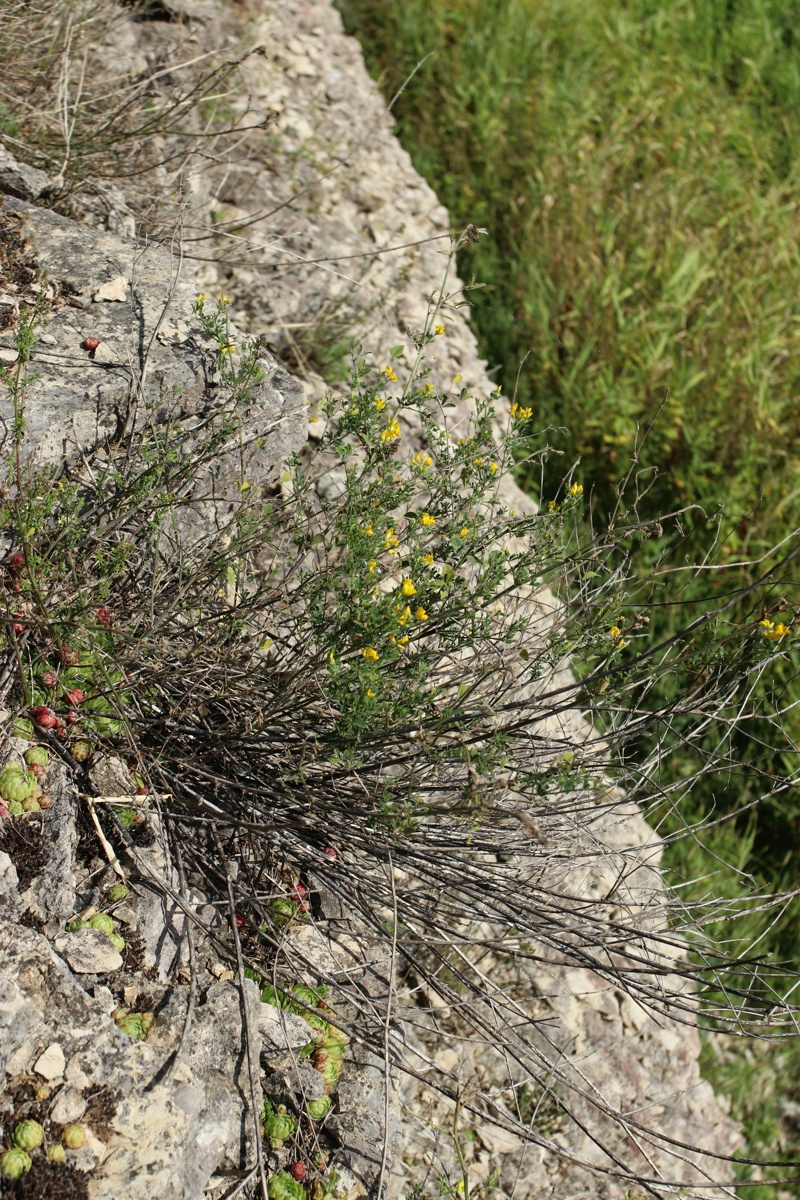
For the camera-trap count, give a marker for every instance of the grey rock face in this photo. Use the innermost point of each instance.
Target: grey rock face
(88, 952)
(153, 359)
(17, 179)
(51, 897)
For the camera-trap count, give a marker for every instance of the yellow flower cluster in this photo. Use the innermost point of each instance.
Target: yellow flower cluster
(519, 413)
(427, 519)
(370, 655)
(390, 374)
(771, 630)
(427, 559)
(391, 541)
(439, 330)
(380, 404)
(228, 349)
(421, 459)
(225, 299)
(576, 489)
(408, 588)
(392, 431)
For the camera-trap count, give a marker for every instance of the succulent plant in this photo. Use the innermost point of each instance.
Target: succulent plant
(283, 909)
(15, 1163)
(73, 1137)
(14, 808)
(31, 805)
(76, 924)
(134, 1026)
(117, 941)
(49, 680)
(81, 751)
(117, 892)
(277, 1124)
(45, 800)
(44, 716)
(318, 1109)
(282, 1187)
(56, 1153)
(298, 1171)
(105, 616)
(28, 1135)
(37, 756)
(22, 728)
(75, 696)
(126, 817)
(16, 785)
(103, 922)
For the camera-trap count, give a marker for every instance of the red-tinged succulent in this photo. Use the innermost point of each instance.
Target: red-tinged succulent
(73, 716)
(91, 343)
(298, 1170)
(105, 616)
(81, 751)
(19, 626)
(68, 656)
(44, 716)
(45, 800)
(16, 564)
(60, 729)
(240, 922)
(37, 770)
(76, 696)
(49, 680)
(330, 853)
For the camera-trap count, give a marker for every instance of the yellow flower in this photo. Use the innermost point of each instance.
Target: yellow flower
(552, 506)
(621, 644)
(457, 378)
(421, 459)
(225, 299)
(408, 588)
(777, 632)
(370, 655)
(390, 541)
(391, 431)
(427, 559)
(615, 631)
(439, 330)
(201, 298)
(313, 420)
(380, 404)
(576, 489)
(420, 614)
(332, 656)
(227, 349)
(370, 692)
(519, 412)
(405, 616)
(371, 565)
(478, 462)
(403, 641)
(426, 391)
(368, 531)
(390, 374)
(427, 519)
(463, 532)
(493, 467)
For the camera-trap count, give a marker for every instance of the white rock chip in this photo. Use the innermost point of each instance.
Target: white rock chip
(51, 1064)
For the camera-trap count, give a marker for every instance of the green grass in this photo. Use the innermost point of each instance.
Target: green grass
(635, 162)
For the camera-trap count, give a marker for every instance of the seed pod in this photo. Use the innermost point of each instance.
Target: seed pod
(37, 756)
(28, 1135)
(56, 1153)
(15, 1163)
(117, 892)
(73, 1137)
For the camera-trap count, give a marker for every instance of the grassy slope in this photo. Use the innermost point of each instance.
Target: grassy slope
(635, 163)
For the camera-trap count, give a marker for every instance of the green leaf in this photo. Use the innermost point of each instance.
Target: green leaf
(396, 351)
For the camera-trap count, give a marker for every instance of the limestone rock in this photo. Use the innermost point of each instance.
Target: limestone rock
(88, 952)
(17, 179)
